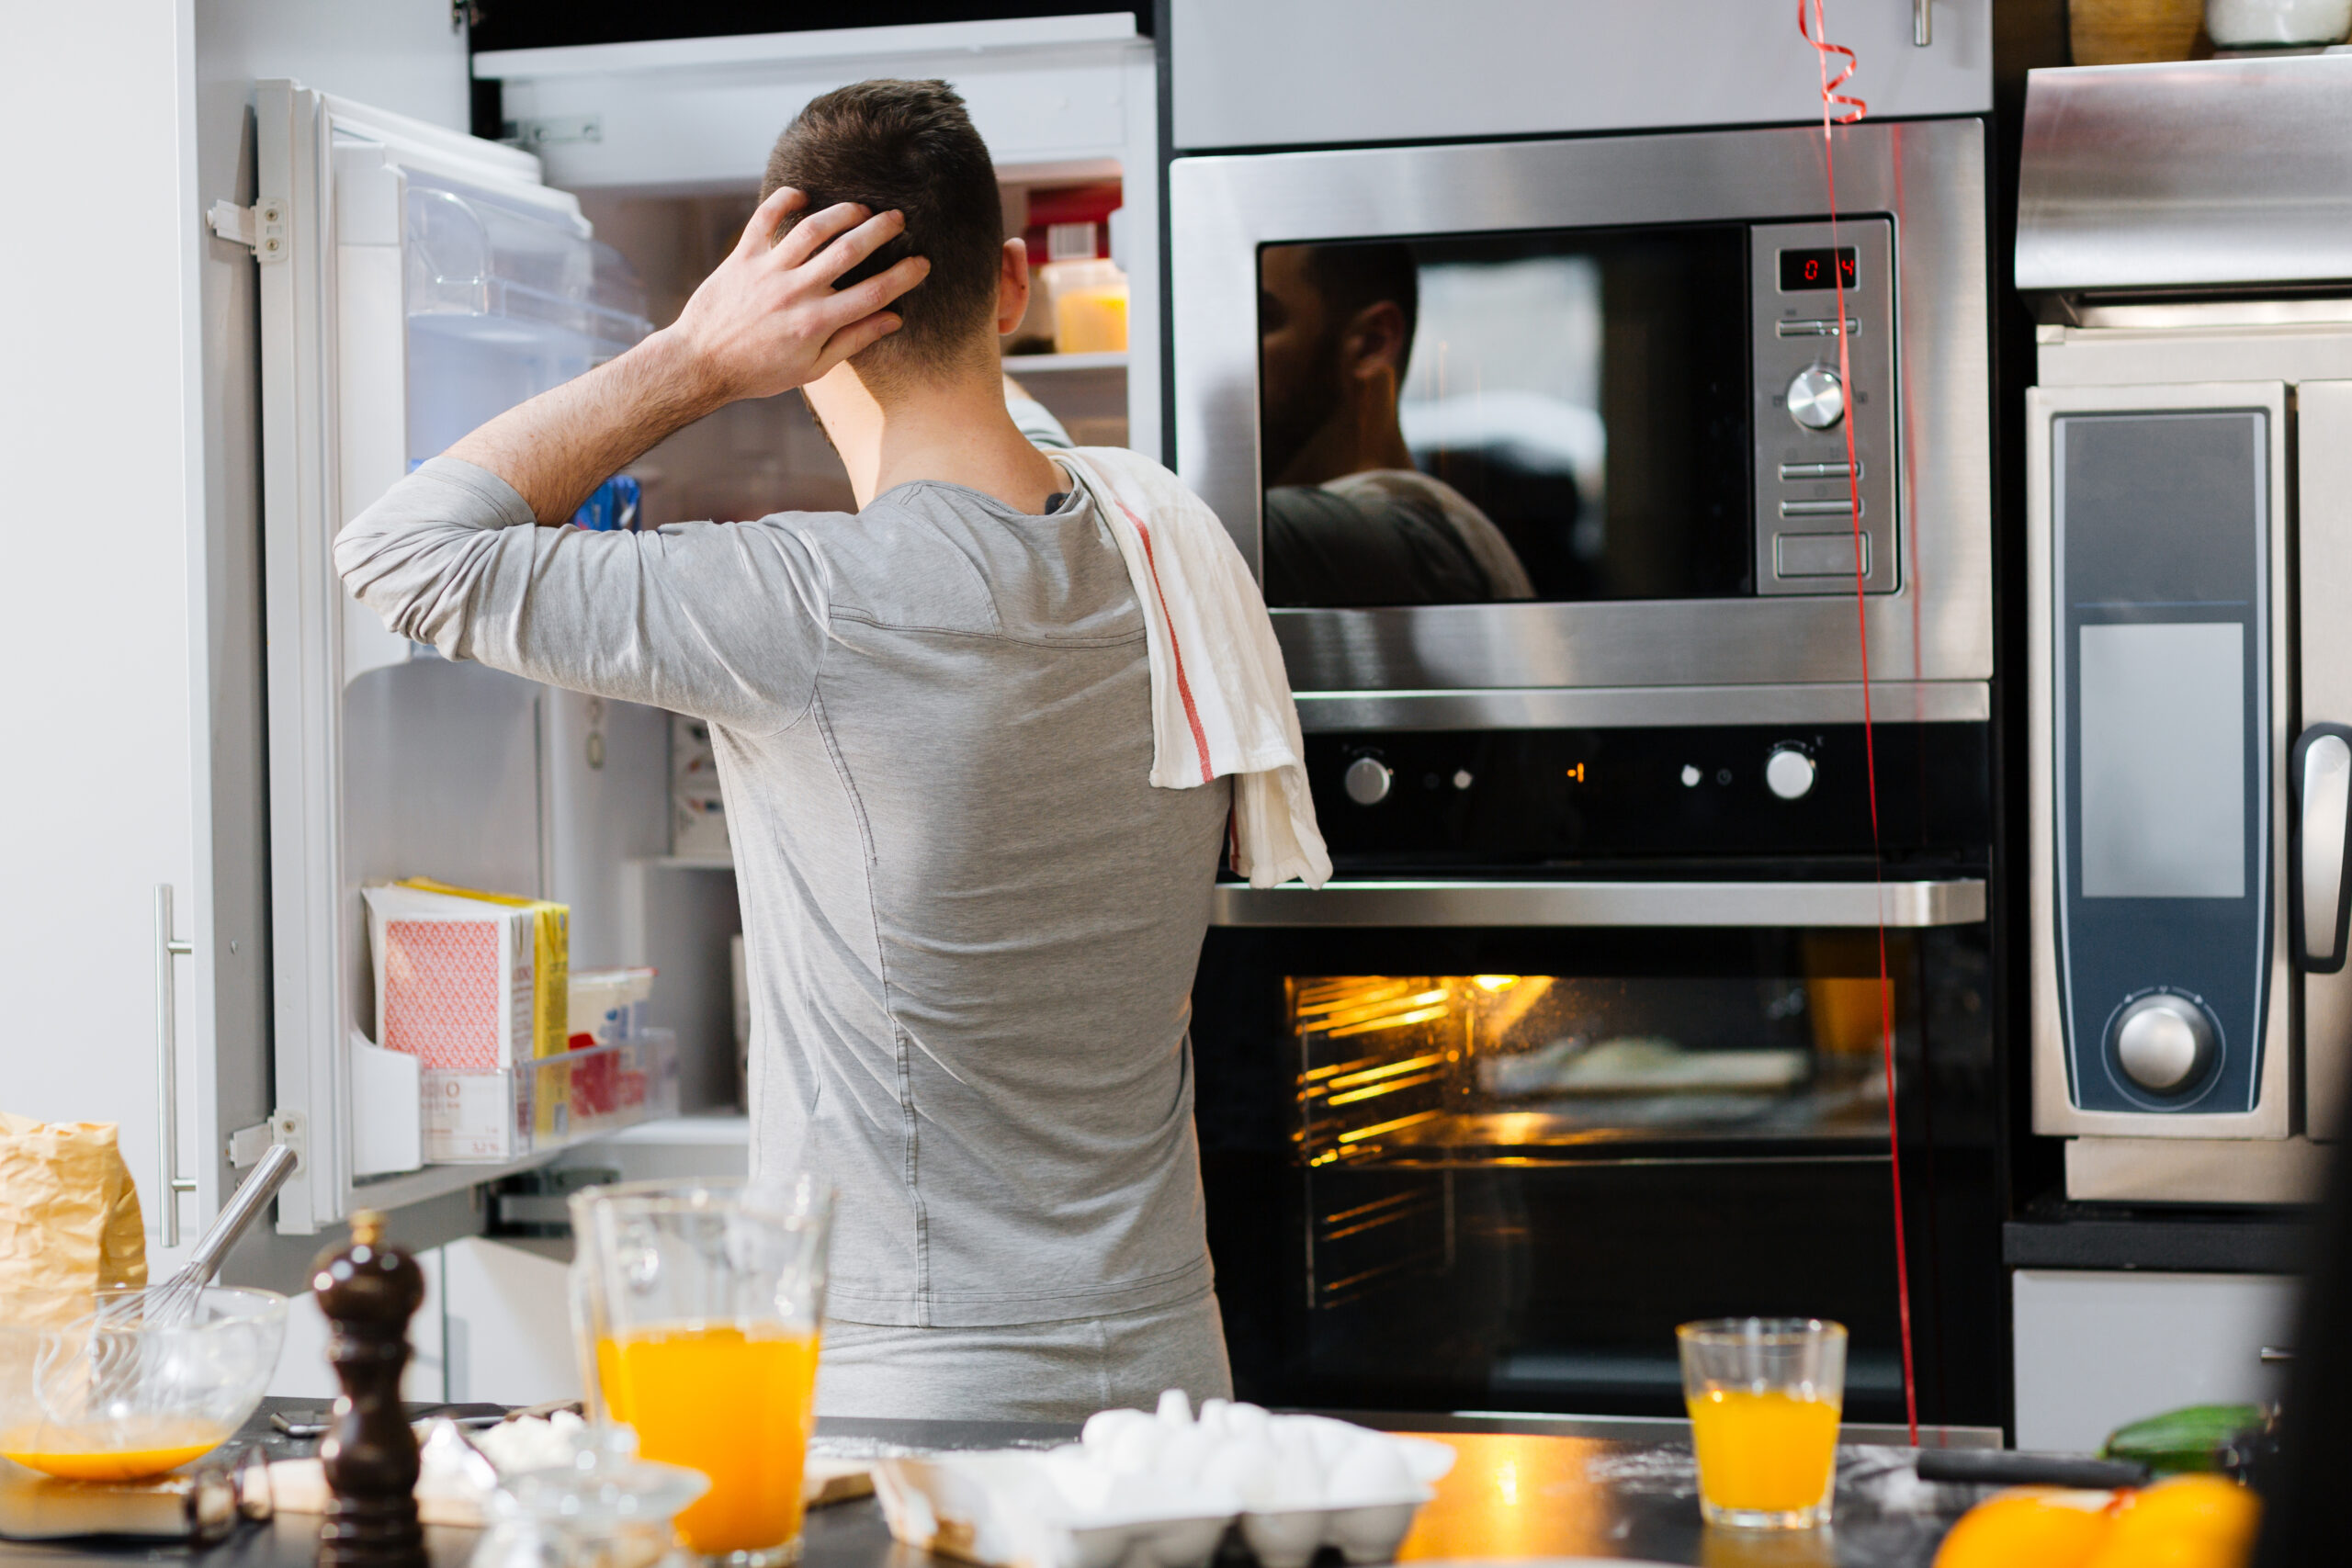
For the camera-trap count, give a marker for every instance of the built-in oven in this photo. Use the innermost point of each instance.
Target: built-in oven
(1587, 415)
(1584, 1040)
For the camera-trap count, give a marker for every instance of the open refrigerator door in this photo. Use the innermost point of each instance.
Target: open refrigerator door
(414, 283)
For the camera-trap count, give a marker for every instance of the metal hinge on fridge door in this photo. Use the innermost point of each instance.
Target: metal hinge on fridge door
(260, 228)
(247, 1144)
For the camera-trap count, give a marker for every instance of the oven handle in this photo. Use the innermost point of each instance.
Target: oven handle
(1957, 901)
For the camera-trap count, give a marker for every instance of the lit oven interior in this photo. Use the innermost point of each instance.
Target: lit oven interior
(1501, 1185)
(1395, 1068)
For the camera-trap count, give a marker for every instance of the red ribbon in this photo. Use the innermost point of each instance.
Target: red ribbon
(1816, 34)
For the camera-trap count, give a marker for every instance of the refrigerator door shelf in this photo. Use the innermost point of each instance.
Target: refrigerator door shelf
(428, 282)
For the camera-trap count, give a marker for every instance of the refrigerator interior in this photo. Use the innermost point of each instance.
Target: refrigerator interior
(455, 286)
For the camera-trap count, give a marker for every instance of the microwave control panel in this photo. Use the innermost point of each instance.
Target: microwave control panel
(1808, 406)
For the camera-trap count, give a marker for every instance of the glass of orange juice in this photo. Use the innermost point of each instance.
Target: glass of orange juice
(1764, 1394)
(698, 1306)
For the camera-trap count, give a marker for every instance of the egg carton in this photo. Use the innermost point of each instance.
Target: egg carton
(1162, 1491)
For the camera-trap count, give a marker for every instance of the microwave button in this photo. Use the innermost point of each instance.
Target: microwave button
(1819, 554)
(1367, 780)
(1824, 328)
(1792, 471)
(2163, 1042)
(1788, 773)
(1840, 509)
(1817, 398)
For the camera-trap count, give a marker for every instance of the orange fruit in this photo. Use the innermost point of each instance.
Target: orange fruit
(2189, 1521)
(2031, 1526)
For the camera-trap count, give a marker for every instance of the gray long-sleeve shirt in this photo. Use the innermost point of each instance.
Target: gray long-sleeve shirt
(970, 922)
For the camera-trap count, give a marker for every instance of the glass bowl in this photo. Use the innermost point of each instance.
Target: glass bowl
(118, 1393)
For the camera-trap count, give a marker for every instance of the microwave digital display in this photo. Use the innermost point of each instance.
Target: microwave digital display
(1562, 415)
(1803, 271)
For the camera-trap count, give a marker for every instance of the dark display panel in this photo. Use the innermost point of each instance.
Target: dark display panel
(1818, 267)
(1560, 416)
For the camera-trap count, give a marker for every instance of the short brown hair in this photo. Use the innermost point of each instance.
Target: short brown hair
(909, 147)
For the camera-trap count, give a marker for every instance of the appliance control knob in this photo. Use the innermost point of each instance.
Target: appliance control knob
(1788, 773)
(2165, 1042)
(1817, 398)
(1367, 780)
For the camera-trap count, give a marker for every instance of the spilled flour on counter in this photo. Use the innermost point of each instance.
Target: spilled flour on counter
(1871, 1480)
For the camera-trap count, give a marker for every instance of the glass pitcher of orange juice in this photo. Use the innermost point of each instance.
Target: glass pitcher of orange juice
(698, 1306)
(1764, 1396)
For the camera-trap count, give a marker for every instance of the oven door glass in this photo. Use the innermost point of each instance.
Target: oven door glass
(1498, 1173)
(1554, 416)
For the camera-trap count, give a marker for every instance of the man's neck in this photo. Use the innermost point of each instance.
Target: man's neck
(1361, 434)
(950, 426)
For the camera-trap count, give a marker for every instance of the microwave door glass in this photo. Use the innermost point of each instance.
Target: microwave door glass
(1557, 416)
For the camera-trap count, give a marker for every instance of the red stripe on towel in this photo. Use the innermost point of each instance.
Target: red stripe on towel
(1183, 687)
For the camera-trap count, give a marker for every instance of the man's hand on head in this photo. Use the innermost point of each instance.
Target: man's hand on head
(768, 318)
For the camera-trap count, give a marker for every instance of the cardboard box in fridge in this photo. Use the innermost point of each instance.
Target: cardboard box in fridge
(552, 985)
(458, 988)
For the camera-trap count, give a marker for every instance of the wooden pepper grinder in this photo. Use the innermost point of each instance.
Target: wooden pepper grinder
(368, 1292)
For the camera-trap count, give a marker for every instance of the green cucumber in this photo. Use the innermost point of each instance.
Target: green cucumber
(2191, 1439)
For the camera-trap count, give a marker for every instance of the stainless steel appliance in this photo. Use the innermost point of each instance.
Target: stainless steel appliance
(1539, 450)
(1583, 1042)
(1625, 357)
(2187, 234)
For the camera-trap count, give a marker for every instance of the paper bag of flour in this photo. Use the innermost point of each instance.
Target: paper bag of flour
(69, 1219)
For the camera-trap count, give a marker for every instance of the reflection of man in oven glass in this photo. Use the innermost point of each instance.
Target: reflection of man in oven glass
(1349, 519)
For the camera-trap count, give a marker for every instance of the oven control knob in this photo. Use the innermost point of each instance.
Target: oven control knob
(1817, 398)
(1367, 780)
(1788, 773)
(2163, 1042)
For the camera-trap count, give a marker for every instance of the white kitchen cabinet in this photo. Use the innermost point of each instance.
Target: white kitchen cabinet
(1334, 72)
(127, 434)
(506, 1324)
(2095, 1348)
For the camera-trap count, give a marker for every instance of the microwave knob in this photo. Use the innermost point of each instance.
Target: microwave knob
(2163, 1042)
(1367, 780)
(1817, 398)
(1788, 773)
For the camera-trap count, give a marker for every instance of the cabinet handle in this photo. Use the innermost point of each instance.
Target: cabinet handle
(1923, 26)
(170, 1183)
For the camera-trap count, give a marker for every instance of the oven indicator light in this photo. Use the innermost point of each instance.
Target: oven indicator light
(1575, 774)
(1692, 775)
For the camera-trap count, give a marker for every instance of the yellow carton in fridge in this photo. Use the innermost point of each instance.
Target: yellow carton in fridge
(549, 1109)
(475, 987)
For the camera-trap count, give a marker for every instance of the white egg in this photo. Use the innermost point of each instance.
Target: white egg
(1372, 1470)
(1175, 1410)
(1181, 1457)
(1134, 1448)
(1247, 1420)
(1105, 1425)
(1332, 1438)
(1212, 1417)
(1298, 1478)
(1243, 1467)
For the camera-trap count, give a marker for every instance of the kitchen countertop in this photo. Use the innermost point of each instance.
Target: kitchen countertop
(1522, 1488)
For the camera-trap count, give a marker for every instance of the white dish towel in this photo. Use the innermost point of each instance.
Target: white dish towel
(1220, 700)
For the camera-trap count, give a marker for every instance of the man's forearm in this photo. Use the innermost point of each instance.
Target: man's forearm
(558, 447)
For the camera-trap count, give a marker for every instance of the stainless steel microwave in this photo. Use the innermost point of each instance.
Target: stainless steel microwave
(1556, 432)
